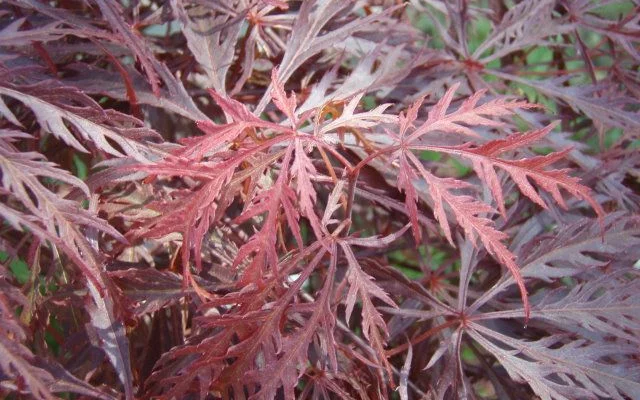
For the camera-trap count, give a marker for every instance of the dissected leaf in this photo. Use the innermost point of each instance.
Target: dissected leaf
(556, 369)
(52, 115)
(211, 199)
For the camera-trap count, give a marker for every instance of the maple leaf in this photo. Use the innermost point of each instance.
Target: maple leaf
(51, 104)
(151, 290)
(174, 97)
(212, 47)
(376, 70)
(467, 211)
(524, 25)
(212, 190)
(305, 40)
(484, 161)
(33, 375)
(571, 252)
(280, 195)
(605, 305)
(286, 104)
(58, 221)
(358, 120)
(606, 108)
(294, 347)
(581, 365)
(303, 170)
(113, 14)
(361, 286)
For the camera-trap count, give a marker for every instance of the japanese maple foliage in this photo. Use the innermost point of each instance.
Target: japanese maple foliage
(357, 199)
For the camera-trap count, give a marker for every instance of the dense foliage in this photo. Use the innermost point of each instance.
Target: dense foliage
(320, 199)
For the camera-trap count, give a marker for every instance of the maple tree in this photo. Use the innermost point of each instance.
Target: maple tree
(319, 199)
